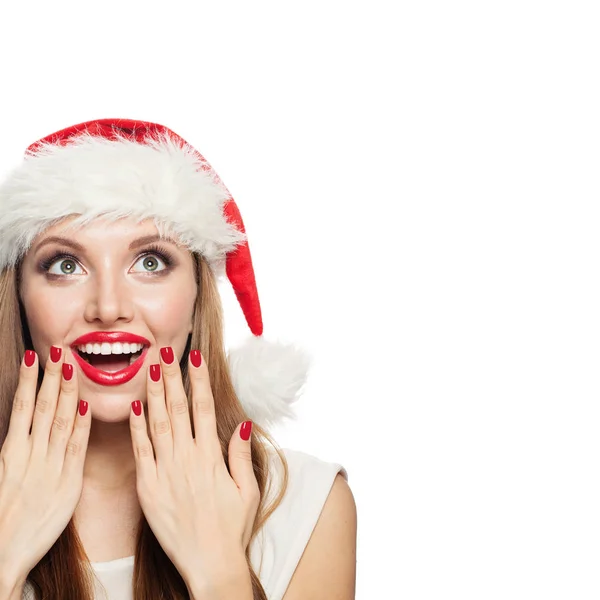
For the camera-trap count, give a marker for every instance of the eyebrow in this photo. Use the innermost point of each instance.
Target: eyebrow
(142, 241)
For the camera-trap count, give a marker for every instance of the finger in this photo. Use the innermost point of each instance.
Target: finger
(240, 463)
(66, 412)
(24, 400)
(47, 399)
(177, 403)
(76, 448)
(143, 451)
(158, 417)
(203, 408)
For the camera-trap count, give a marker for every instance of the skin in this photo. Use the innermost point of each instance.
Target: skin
(108, 288)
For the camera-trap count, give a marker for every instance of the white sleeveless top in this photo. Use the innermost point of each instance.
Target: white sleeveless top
(278, 546)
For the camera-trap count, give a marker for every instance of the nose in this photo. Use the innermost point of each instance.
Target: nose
(109, 299)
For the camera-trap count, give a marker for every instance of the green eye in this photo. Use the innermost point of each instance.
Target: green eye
(151, 263)
(66, 266)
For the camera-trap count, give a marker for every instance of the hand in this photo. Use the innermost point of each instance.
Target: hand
(41, 474)
(201, 515)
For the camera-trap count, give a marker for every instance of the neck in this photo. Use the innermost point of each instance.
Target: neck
(108, 513)
(110, 463)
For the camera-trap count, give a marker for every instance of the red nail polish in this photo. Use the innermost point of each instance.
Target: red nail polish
(167, 354)
(136, 405)
(29, 358)
(246, 430)
(155, 372)
(55, 354)
(83, 406)
(67, 370)
(196, 358)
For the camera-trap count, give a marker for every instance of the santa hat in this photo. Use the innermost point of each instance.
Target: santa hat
(117, 168)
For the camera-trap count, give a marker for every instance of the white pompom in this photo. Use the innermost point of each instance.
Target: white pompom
(268, 378)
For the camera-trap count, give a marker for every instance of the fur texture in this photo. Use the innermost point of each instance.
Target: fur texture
(268, 377)
(95, 177)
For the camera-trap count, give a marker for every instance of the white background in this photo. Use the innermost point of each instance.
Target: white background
(419, 182)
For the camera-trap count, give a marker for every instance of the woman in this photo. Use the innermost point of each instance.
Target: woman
(134, 459)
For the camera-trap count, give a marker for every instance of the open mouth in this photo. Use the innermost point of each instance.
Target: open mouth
(110, 357)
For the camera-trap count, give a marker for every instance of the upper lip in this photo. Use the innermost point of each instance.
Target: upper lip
(98, 337)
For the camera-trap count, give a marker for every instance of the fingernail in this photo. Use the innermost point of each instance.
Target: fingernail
(136, 405)
(55, 354)
(167, 354)
(83, 406)
(67, 370)
(196, 358)
(155, 372)
(29, 358)
(246, 430)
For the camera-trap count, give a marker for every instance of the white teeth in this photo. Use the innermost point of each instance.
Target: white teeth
(106, 348)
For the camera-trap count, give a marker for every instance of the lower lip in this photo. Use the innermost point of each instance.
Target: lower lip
(106, 378)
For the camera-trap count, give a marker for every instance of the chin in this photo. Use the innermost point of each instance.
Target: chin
(110, 408)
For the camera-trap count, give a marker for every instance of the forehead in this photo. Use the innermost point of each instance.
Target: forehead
(99, 231)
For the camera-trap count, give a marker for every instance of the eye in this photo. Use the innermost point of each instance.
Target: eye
(151, 263)
(66, 266)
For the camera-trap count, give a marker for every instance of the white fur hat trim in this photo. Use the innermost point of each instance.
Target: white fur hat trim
(94, 177)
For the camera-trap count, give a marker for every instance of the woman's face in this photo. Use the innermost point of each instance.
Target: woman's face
(105, 277)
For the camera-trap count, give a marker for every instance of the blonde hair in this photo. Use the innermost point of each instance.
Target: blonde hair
(64, 571)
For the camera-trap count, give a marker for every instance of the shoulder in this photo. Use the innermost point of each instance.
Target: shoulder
(327, 568)
(316, 497)
(309, 477)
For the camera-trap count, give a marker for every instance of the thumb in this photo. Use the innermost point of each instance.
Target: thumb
(240, 460)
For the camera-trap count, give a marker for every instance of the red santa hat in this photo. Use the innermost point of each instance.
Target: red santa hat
(116, 168)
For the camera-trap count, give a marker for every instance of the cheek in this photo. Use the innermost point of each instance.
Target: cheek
(169, 311)
(49, 317)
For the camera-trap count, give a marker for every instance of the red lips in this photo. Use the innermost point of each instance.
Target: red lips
(103, 377)
(97, 337)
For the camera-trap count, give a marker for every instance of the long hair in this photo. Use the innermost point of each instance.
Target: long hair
(64, 572)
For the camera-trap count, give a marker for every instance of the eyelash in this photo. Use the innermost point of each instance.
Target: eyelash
(153, 250)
